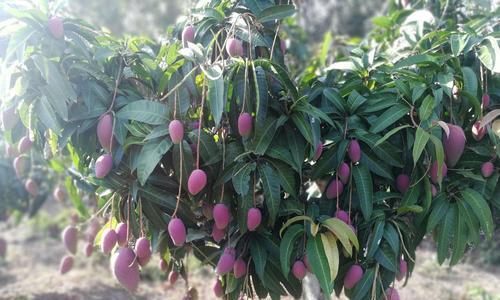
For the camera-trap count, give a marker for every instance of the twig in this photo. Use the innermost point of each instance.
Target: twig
(179, 84)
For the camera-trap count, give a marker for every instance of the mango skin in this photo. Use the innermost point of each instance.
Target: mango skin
(353, 276)
(56, 27)
(20, 164)
(105, 132)
(245, 124)
(434, 171)
(32, 187)
(402, 183)
(299, 270)
(354, 151)
(197, 181)
(177, 231)
(9, 118)
(66, 264)
(485, 101)
(487, 169)
(103, 165)
(344, 173)
(218, 291)
(343, 216)
(121, 233)
(108, 240)
(143, 250)
(217, 234)
(334, 189)
(70, 238)
(240, 268)
(391, 294)
(221, 215)
(454, 145)
(477, 132)
(188, 35)
(24, 145)
(254, 218)
(403, 269)
(125, 268)
(226, 261)
(176, 131)
(234, 47)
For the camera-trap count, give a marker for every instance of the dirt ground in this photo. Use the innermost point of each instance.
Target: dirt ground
(31, 272)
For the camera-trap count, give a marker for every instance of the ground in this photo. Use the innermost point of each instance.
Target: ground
(31, 272)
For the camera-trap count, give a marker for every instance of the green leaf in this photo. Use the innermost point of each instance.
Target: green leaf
(281, 73)
(17, 42)
(389, 117)
(419, 59)
(364, 189)
(271, 186)
(438, 146)
(438, 211)
(376, 166)
(299, 119)
(259, 257)
(362, 288)
(390, 133)
(481, 209)
(209, 151)
(375, 238)
(296, 145)
(468, 216)
(319, 264)
(387, 258)
(57, 83)
(293, 220)
(276, 12)
(216, 98)
(261, 88)
(264, 134)
(470, 81)
(445, 235)
(457, 43)
(391, 237)
(286, 176)
(146, 111)
(313, 111)
(75, 198)
(355, 100)
(47, 115)
(158, 131)
(386, 151)
(241, 178)
(287, 245)
(150, 156)
(425, 110)
(421, 139)
(489, 54)
(334, 97)
(459, 241)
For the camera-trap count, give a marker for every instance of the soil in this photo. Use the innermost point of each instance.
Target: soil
(30, 271)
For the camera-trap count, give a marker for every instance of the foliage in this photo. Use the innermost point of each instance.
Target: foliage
(397, 95)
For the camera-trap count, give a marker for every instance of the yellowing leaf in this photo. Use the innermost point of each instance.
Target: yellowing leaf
(293, 220)
(332, 252)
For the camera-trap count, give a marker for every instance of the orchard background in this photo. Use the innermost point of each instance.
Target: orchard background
(249, 149)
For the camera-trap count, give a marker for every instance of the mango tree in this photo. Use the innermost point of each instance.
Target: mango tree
(206, 143)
